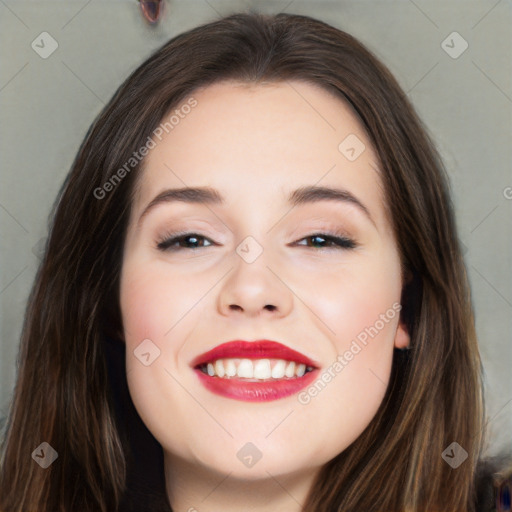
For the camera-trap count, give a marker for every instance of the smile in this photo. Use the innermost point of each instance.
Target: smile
(254, 371)
(258, 369)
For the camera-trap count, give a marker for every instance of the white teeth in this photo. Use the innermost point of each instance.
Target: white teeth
(219, 368)
(262, 369)
(290, 369)
(278, 370)
(245, 369)
(230, 368)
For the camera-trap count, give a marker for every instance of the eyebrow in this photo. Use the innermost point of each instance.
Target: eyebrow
(207, 195)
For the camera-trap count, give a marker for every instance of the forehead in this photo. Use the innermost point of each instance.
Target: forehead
(259, 142)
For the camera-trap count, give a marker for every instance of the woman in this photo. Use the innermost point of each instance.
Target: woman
(251, 369)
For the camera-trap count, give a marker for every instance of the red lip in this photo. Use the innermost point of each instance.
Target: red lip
(264, 391)
(259, 349)
(248, 390)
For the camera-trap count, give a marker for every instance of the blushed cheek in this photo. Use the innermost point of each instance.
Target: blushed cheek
(361, 314)
(160, 307)
(353, 311)
(143, 310)
(137, 308)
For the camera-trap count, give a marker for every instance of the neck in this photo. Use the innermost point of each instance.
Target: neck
(195, 488)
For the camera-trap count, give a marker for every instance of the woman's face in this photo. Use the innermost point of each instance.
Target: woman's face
(259, 266)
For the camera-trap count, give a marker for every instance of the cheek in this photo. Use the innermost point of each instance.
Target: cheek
(358, 309)
(165, 308)
(341, 409)
(349, 390)
(141, 302)
(158, 307)
(359, 298)
(152, 302)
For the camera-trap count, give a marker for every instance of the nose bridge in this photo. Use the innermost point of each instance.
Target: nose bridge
(253, 286)
(253, 233)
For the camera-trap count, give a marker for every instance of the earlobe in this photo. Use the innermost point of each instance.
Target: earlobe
(402, 335)
(402, 338)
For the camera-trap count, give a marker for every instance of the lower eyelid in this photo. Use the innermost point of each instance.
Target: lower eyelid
(339, 241)
(335, 240)
(169, 242)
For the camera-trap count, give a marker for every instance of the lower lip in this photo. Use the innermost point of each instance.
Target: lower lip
(264, 391)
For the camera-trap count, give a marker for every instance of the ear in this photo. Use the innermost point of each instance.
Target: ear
(402, 338)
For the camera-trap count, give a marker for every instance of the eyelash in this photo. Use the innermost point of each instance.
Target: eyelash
(339, 240)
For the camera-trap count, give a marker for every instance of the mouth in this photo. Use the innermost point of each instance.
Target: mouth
(254, 371)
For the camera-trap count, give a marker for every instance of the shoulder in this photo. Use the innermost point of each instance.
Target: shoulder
(493, 484)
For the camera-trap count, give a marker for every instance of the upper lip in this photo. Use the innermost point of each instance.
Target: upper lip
(258, 349)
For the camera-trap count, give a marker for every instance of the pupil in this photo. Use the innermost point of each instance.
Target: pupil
(317, 237)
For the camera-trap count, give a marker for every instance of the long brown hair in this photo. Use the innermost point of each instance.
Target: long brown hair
(63, 395)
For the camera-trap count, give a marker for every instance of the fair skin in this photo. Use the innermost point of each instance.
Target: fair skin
(255, 145)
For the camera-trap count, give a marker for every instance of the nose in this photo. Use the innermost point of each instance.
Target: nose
(255, 288)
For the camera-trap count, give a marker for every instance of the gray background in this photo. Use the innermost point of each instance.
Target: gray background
(46, 106)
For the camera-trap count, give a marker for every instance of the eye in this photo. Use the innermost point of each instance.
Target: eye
(172, 242)
(336, 240)
(168, 243)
